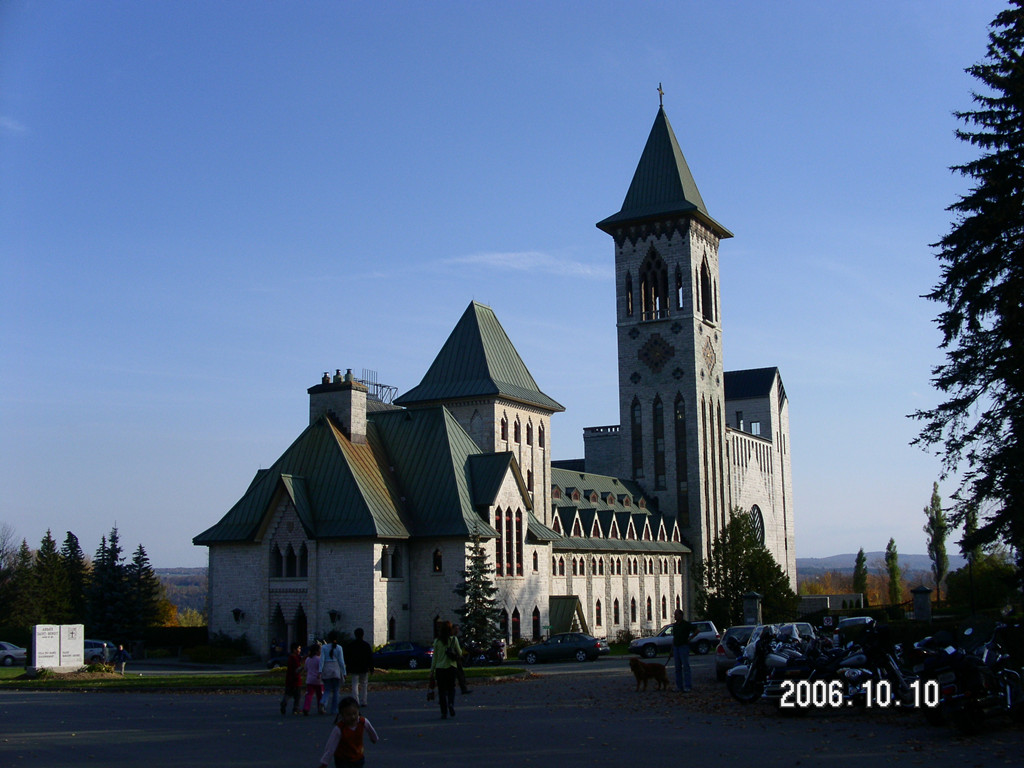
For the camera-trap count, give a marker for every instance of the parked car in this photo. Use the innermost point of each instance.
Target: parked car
(11, 654)
(98, 651)
(706, 638)
(725, 659)
(850, 628)
(403, 653)
(565, 646)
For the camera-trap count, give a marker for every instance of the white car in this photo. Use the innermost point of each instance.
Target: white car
(706, 638)
(98, 651)
(11, 654)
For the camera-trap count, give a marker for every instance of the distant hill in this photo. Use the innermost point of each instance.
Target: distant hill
(185, 587)
(813, 566)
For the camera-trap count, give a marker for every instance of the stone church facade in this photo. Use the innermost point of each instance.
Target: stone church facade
(368, 518)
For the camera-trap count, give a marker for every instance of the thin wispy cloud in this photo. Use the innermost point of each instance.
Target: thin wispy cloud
(10, 125)
(532, 261)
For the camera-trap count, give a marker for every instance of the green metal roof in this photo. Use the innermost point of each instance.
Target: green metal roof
(566, 614)
(338, 490)
(478, 359)
(662, 184)
(430, 452)
(487, 472)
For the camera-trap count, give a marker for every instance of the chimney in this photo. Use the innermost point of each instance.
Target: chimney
(344, 398)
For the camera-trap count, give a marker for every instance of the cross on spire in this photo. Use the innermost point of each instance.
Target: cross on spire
(661, 94)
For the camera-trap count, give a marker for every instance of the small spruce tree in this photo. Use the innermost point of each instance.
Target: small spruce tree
(479, 611)
(892, 567)
(860, 574)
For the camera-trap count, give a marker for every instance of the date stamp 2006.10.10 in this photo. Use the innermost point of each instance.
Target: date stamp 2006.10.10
(831, 694)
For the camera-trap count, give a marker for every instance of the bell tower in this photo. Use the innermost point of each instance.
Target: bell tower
(671, 382)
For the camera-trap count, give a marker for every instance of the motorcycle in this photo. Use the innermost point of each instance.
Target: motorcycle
(479, 656)
(975, 679)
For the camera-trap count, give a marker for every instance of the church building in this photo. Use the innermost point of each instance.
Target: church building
(368, 518)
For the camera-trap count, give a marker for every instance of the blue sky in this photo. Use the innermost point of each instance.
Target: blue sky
(205, 205)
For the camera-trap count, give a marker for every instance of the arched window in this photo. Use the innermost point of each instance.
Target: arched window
(276, 562)
(679, 288)
(529, 434)
(615, 611)
(516, 431)
(632, 610)
(529, 480)
(707, 299)
(637, 439)
(540, 436)
(629, 295)
(303, 561)
(503, 622)
(536, 562)
(516, 633)
(438, 563)
(597, 613)
(664, 607)
(574, 571)
(658, 417)
(600, 566)
(653, 287)
(561, 566)
(499, 545)
(650, 613)
(504, 428)
(519, 542)
(290, 563)
(536, 623)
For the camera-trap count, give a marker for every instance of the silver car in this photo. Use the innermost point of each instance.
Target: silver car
(11, 654)
(702, 643)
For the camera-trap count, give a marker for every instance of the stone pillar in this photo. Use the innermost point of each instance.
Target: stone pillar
(922, 603)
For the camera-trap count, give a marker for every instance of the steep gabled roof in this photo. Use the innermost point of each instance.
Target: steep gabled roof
(478, 359)
(662, 184)
(338, 490)
(487, 472)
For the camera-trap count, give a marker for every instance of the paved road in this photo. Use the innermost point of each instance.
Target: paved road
(567, 716)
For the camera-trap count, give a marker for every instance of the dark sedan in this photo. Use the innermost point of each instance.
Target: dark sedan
(404, 654)
(563, 647)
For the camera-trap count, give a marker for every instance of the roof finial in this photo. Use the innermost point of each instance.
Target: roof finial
(661, 93)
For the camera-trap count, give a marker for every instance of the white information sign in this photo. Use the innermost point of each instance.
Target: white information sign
(72, 645)
(46, 645)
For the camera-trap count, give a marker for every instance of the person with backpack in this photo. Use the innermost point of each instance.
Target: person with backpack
(332, 672)
(360, 665)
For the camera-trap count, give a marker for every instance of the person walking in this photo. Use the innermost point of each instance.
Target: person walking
(443, 666)
(682, 633)
(460, 673)
(314, 687)
(292, 680)
(360, 664)
(121, 657)
(332, 672)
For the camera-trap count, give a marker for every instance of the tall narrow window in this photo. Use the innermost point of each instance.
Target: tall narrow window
(536, 562)
(516, 633)
(303, 561)
(276, 562)
(536, 623)
(629, 295)
(615, 611)
(510, 544)
(504, 428)
(637, 440)
(682, 468)
(650, 613)
(679, 288)
(438, 562)
(597, 613)
(290, 563)
(540, 436)
(529, 434)
(519, 542)
(516, 431)
(529, 480)
(658, 417)
(664, 607)
(499, 545)
(707, 299)
(632, 610)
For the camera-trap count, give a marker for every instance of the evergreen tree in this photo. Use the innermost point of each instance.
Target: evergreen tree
(892, 567)
(54, 599)
(739, 563)
(108, 604)
(144, 593)
(979, 430)
(937, 529)
(76, 571)
(860, 574)
(479, 611)
(23, 610)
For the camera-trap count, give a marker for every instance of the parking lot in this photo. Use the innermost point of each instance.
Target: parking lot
(566, 715)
